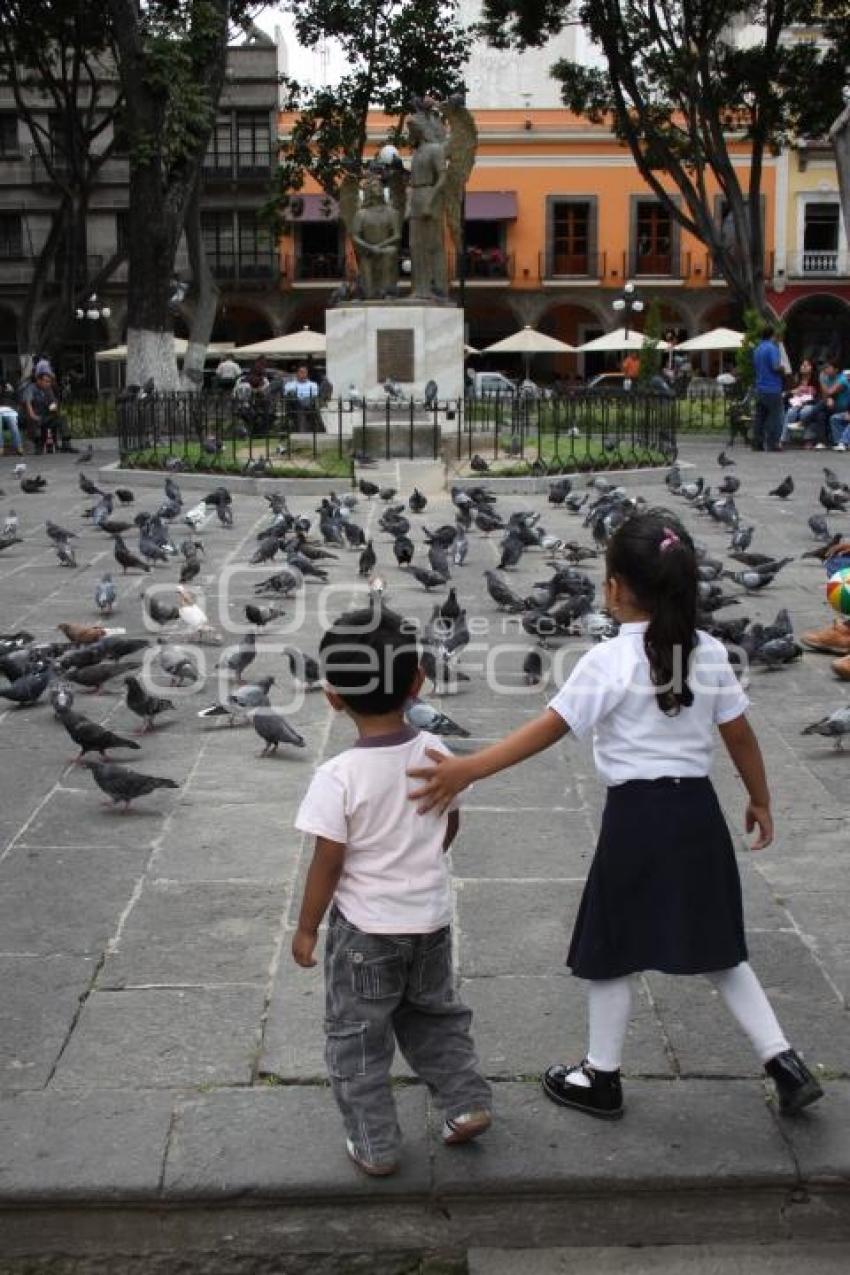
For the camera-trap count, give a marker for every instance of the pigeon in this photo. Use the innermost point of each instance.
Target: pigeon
(273, 728)
(95, 676)
(785, 488)
(190, 568)
(65, 554)
(403, 550)
(193, 615)
(178, 662)
(33, 486)
(417, 501)
(460, 549)
(368, 559)
(367, 489)
(502, 595)
(86, 485)
(284, 582)
(438, 560)
(82, 634)
(723, 460)
(742, 538)
(428, 579)
(146, 706)
(115, 646)
(817, 524)
(58, 534)
(833, 501)
(28, 688)
(10, 525)
(730, 485)
(386, 493)
(238, 657)
(834, 727)
(532, 668)
(479, 464)
(425, 717)
(124, 495)
(160, 612)
(60, 696)
(512, 550)
(88, 735)
(245, 697)
(123, 785)
(832, 480)
(304, 669)
(777, 652)
(127, 559)
(262, 615)
(354, 534)
(86, 455)
(105, 594)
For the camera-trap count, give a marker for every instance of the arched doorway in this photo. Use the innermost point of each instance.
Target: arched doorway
(818, 327)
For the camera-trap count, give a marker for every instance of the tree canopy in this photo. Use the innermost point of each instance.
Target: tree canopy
(393, 50)
(682, 81)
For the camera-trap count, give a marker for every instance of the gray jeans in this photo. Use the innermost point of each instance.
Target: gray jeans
(383, 988)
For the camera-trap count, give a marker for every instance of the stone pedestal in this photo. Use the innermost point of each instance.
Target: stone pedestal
(407, 342)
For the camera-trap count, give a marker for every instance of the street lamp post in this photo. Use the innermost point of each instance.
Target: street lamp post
(628, 303)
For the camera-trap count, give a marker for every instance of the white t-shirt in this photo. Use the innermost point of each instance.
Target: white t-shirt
(394, 878)
(610, 693)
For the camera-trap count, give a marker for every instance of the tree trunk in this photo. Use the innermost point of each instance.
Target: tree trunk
(155, 226)
(839, 135)
(206, 294)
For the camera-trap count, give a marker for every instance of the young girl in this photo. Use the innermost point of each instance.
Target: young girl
(663, 892)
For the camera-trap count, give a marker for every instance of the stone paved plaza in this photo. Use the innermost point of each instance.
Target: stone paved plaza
(158, 1047)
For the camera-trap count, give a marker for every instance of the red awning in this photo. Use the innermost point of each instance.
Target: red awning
(490, 205)
(316, 208)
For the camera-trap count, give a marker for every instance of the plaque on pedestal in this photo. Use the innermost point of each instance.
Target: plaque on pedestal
(409, 344)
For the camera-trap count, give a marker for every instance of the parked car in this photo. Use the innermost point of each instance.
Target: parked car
(615, 383)
(497, 385)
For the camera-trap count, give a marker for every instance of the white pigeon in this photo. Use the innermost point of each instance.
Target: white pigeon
(20, 469)
(194, 617)
(198, 516)
(10, 526)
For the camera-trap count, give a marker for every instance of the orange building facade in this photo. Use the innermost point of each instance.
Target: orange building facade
(557, 221)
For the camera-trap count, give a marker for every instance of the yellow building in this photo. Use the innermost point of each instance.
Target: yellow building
(811, 275)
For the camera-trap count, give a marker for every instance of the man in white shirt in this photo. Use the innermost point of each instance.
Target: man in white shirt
(300, 386)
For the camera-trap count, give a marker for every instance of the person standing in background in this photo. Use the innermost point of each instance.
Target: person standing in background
(769, 383)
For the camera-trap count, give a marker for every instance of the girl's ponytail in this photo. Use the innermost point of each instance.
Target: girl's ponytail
(654, 556)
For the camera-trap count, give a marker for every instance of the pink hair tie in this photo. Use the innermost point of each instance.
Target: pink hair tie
(670, 539)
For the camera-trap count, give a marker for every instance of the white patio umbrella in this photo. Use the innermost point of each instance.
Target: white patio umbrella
(620, 339)
(283, 347)
(529, 341)
(470, 349)
(118, 353)
(716, 339)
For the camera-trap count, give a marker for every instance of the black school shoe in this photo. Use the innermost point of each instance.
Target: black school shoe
(603, 1097)
(796, 1087)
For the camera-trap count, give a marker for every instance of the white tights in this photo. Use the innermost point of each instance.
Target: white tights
(609, 1006)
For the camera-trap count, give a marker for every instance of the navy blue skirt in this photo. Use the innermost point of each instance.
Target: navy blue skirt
(663, 892)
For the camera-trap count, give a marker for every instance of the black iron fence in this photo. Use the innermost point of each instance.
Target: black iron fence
(579, 430)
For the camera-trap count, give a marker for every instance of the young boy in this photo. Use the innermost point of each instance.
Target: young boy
(388, 962)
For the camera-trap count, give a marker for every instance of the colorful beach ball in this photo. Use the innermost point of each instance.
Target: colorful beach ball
(838, 591)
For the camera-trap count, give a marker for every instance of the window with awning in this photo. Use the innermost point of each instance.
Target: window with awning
(490, 205)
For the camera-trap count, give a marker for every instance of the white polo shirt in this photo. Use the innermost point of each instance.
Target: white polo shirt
(394, 878)
(301, 389)
(610, 693)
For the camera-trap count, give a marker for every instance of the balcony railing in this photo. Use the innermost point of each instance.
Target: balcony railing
(483, 265)
(656, 265)
(319, 267)
(237, 166)
(825, 265)
(556, 265)
(255, 267)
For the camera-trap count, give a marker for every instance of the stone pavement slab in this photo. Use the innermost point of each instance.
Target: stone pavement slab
(164, 1038)
(41, 995)
(673, 1259)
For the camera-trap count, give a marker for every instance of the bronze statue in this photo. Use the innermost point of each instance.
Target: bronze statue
(376, 235)
(439, 168)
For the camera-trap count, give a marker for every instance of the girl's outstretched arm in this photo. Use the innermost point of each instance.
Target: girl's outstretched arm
(449, 775)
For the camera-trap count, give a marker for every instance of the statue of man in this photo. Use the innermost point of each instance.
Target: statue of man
(376, 235)
(426, 205)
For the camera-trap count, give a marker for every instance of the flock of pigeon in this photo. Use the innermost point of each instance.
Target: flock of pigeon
(300, 549)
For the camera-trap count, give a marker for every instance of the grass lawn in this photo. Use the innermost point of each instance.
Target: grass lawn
(327, 463)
